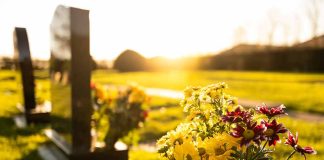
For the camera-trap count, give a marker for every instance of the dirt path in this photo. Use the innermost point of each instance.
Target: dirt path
(310, 117)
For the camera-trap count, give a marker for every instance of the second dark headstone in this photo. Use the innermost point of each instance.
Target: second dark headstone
(33, 113)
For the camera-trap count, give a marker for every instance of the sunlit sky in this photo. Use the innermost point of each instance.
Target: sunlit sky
(171, 28)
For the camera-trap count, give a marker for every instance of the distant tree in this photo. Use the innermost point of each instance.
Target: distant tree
(268, 28)
(7, 63)
(130, 60)
(103, 64)
(297, 29)
(273, 19)
(93, 64)
(313, 12)
(286, 32)
(239, 35)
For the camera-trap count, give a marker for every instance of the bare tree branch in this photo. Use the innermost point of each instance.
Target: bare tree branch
(239, 35)
(313, 13)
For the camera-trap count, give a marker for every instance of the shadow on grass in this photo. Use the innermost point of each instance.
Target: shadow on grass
(150, 137)
(10, 130)
(33, 155)
(22, 138)
(61, 125)
(8, 78)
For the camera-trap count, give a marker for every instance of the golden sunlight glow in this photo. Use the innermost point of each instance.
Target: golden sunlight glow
(170, 28)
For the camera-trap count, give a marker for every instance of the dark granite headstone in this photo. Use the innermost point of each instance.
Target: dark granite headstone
(70, 72)
(25, 76)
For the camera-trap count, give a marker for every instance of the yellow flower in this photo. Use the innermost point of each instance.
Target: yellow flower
(100, 93)
(207, 107)
(235, 101)
(188, 92)
(137, 95)
(214, 94)
(176, 137)
(203, 97)
(181, 133)
(219, 146)
(207, 114)
(191, 116)
(161, 141)
(186, 151)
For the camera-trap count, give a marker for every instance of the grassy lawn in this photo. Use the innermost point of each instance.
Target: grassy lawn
(298, 91)
(165, 114)
(15, 143)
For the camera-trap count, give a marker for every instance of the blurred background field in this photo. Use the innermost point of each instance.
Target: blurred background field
(302, 92)
(298, 91)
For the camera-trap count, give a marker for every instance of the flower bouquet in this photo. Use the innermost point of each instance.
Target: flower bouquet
(217, 128)
(117, 112)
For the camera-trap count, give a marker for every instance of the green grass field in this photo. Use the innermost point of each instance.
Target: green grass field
(165, 114)
(303, 92)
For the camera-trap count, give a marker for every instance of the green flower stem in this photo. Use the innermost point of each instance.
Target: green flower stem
(257, 155)
(247, 153)
(291, 154)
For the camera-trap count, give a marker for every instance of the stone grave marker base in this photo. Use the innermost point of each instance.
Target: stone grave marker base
(60, 150)
(40, 114)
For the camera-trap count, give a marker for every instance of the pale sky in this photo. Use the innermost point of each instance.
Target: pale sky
(171, 28)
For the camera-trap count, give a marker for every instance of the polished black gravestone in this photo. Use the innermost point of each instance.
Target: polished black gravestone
(32, 112)
(70, 72)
